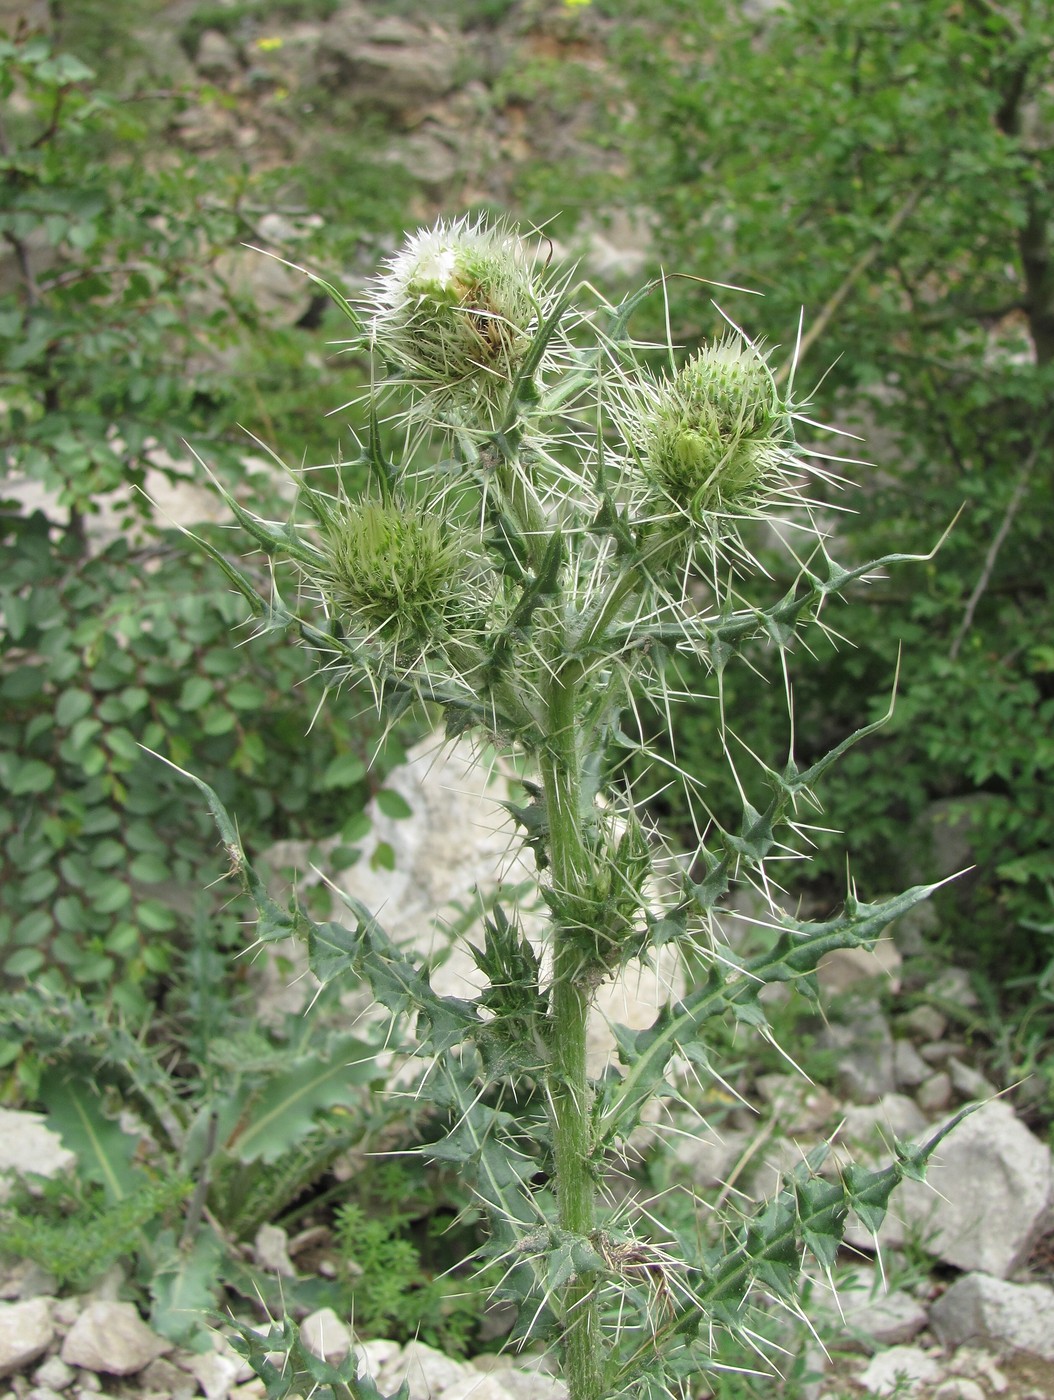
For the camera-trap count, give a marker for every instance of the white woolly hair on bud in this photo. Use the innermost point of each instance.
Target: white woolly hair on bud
(454, 313)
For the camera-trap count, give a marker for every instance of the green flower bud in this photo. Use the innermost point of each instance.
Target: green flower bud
(715, 441)
(455, 313)
(400, 575)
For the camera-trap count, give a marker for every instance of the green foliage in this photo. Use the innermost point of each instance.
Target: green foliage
(76, 1232)
(396, 1260)
(122, 331)
(240, 1121)
(886, 167)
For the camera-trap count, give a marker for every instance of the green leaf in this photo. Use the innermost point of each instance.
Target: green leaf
(283, 1112)
(185, 1282)
(196, 693)
(393, 805)
(72, 705)
(149, 869)
(103, 1150)
(344, 771)
(31, 775)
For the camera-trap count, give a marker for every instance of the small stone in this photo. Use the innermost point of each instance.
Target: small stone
(42, 1392)
(531, 1385)
(959, 1388)
(251, 1390)
(54, 1373)
(800, 1107)
(325, 1336)
(875, 1125)
(373, 1357)
(215, 1372)
(485, 1387)
(162, 1378)
(939, 1052)
(29, 1147)
(953, 984)
(848, 967)
(990, 1310)
(865, 1053)
(90, 1383)
(710, 1161)
(935, 1094)
(271, 1251)
(900, 1371)
(427, 1372)
(113, 1338)
(909, 1067)
(26, 1331)
(981, 1365)
(969, 1083)
(65, 1311)
(925, 1023)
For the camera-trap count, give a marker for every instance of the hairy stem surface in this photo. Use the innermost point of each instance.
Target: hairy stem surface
(569, 1094)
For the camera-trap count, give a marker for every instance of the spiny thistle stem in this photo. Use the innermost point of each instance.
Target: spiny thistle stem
(571, 994)
(529, 627)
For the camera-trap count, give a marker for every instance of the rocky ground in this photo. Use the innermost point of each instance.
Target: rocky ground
(953, 1301)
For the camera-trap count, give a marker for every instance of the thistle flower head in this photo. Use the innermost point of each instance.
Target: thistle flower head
(715, 441)
(400, 575)
(455, 312)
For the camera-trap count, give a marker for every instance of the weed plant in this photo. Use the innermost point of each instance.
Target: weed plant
(562, 524)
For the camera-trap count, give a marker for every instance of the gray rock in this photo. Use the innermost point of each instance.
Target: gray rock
(326, 1336)
(532, 1385)
(215, 1372)
(54, 1374)
(939, 1052)
(477, 1387)
(113, 1338)
(848, 967)
(985, 1309)
(900, 1370)
(799, 1107)
(26, 1330)
(216, 57)
(42, 1392)
(427, 1372)
(959, 1388)
(873, 1317)
(935, 1094)
(909, 1068)
(874, 1126)
(969, 1083)
(710, 1160)
(271, 1251)
(373, 1357)
(925, 1023)
(27, 1145)
(162, 1378)
(865, 1046)
(394, 64)
(985, 1200)
(953, 984)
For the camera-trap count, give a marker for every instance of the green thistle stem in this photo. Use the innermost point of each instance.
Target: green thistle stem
(569, 1092)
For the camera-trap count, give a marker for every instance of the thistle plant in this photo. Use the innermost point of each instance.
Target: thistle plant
(562, 525)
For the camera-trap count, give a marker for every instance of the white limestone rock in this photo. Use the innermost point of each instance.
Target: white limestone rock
(979, 1308)
(326, 1336)
(26, 1332)
(28, 1146)
(112, 1338)
(900, 1370)
(427, 1372)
